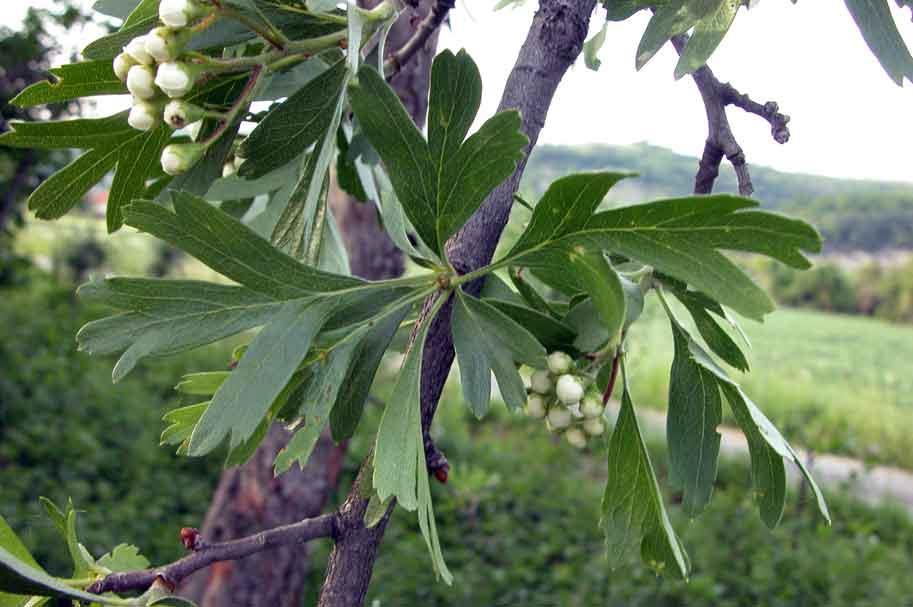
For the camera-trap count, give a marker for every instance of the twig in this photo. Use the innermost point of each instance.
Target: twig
(720, 140)
(613, 377)
(432, 21)
(302, 531)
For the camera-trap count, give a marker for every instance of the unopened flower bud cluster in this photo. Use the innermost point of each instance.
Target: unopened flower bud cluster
(566, 401)
(152, 69)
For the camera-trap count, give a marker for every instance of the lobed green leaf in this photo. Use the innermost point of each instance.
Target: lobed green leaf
(232, 249)
(486, 340)
(355, 389)
(294, 125)
(72, 81)
(708, 32)
(874, 19)
(633, 514)
(695, 411)
(239, 405)
(442, 181)
(164, 317)
(680, 237)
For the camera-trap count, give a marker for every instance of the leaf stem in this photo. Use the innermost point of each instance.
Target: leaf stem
(366, 324)
(265, 30)
(460, 279)
(240, 105)
(77, 582)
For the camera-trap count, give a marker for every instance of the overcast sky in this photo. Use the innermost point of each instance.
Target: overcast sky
(848, 118)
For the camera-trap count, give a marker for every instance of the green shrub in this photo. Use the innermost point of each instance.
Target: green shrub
(67, 431)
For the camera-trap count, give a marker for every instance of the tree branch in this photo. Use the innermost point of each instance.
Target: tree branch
(720, 140)
(302, 531)
(424, 31)
(554, 42)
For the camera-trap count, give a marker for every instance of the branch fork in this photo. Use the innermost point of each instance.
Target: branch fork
(720, 140)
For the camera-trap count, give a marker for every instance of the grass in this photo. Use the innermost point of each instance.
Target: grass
(831, 383)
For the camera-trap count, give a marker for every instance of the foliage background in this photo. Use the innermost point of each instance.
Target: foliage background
(518, 519)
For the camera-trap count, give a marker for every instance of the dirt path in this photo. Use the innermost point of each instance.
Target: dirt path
(871, 484)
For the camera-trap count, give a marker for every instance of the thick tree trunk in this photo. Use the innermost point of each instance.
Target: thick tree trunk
(249, 498)
(554, 42)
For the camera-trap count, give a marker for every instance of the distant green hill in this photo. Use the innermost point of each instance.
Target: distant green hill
(851, 214)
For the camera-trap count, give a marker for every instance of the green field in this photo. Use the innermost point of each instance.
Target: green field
(832, 383)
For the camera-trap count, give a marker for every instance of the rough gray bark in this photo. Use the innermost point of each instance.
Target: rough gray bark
(554, 42)
(248, 498)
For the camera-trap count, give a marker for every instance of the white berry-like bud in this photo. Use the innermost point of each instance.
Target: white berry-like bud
(576, 437)
(178, 114)
(591, 406)
(559, 418)
(122, 64)
(575, 411)
(178, 158)
(144, 116)
(569, 389)
(560, 363)
(141, 82)
(594, 426)
(178, 13)
(540, 381)
(136, 48)
(535, 406)
(175, 78)
(166, 44)
(238, 161)
(228, 169)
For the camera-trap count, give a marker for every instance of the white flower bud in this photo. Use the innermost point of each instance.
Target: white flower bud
(228, 169)
(165, 44)
(559, 418)
(144, 116)
(178, 158)
(136, 48)
(575, 411)
(541, 382)
(594, 426)
(560, 363)
(178, 13)
(535, 406)
(576, 437)
(569, 389)
(591, 406)
(141, 82)
(122, 64)
(175, 78)
(238, 161)
(178, 114)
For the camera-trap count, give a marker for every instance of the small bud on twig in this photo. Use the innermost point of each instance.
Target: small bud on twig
(191, 538)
